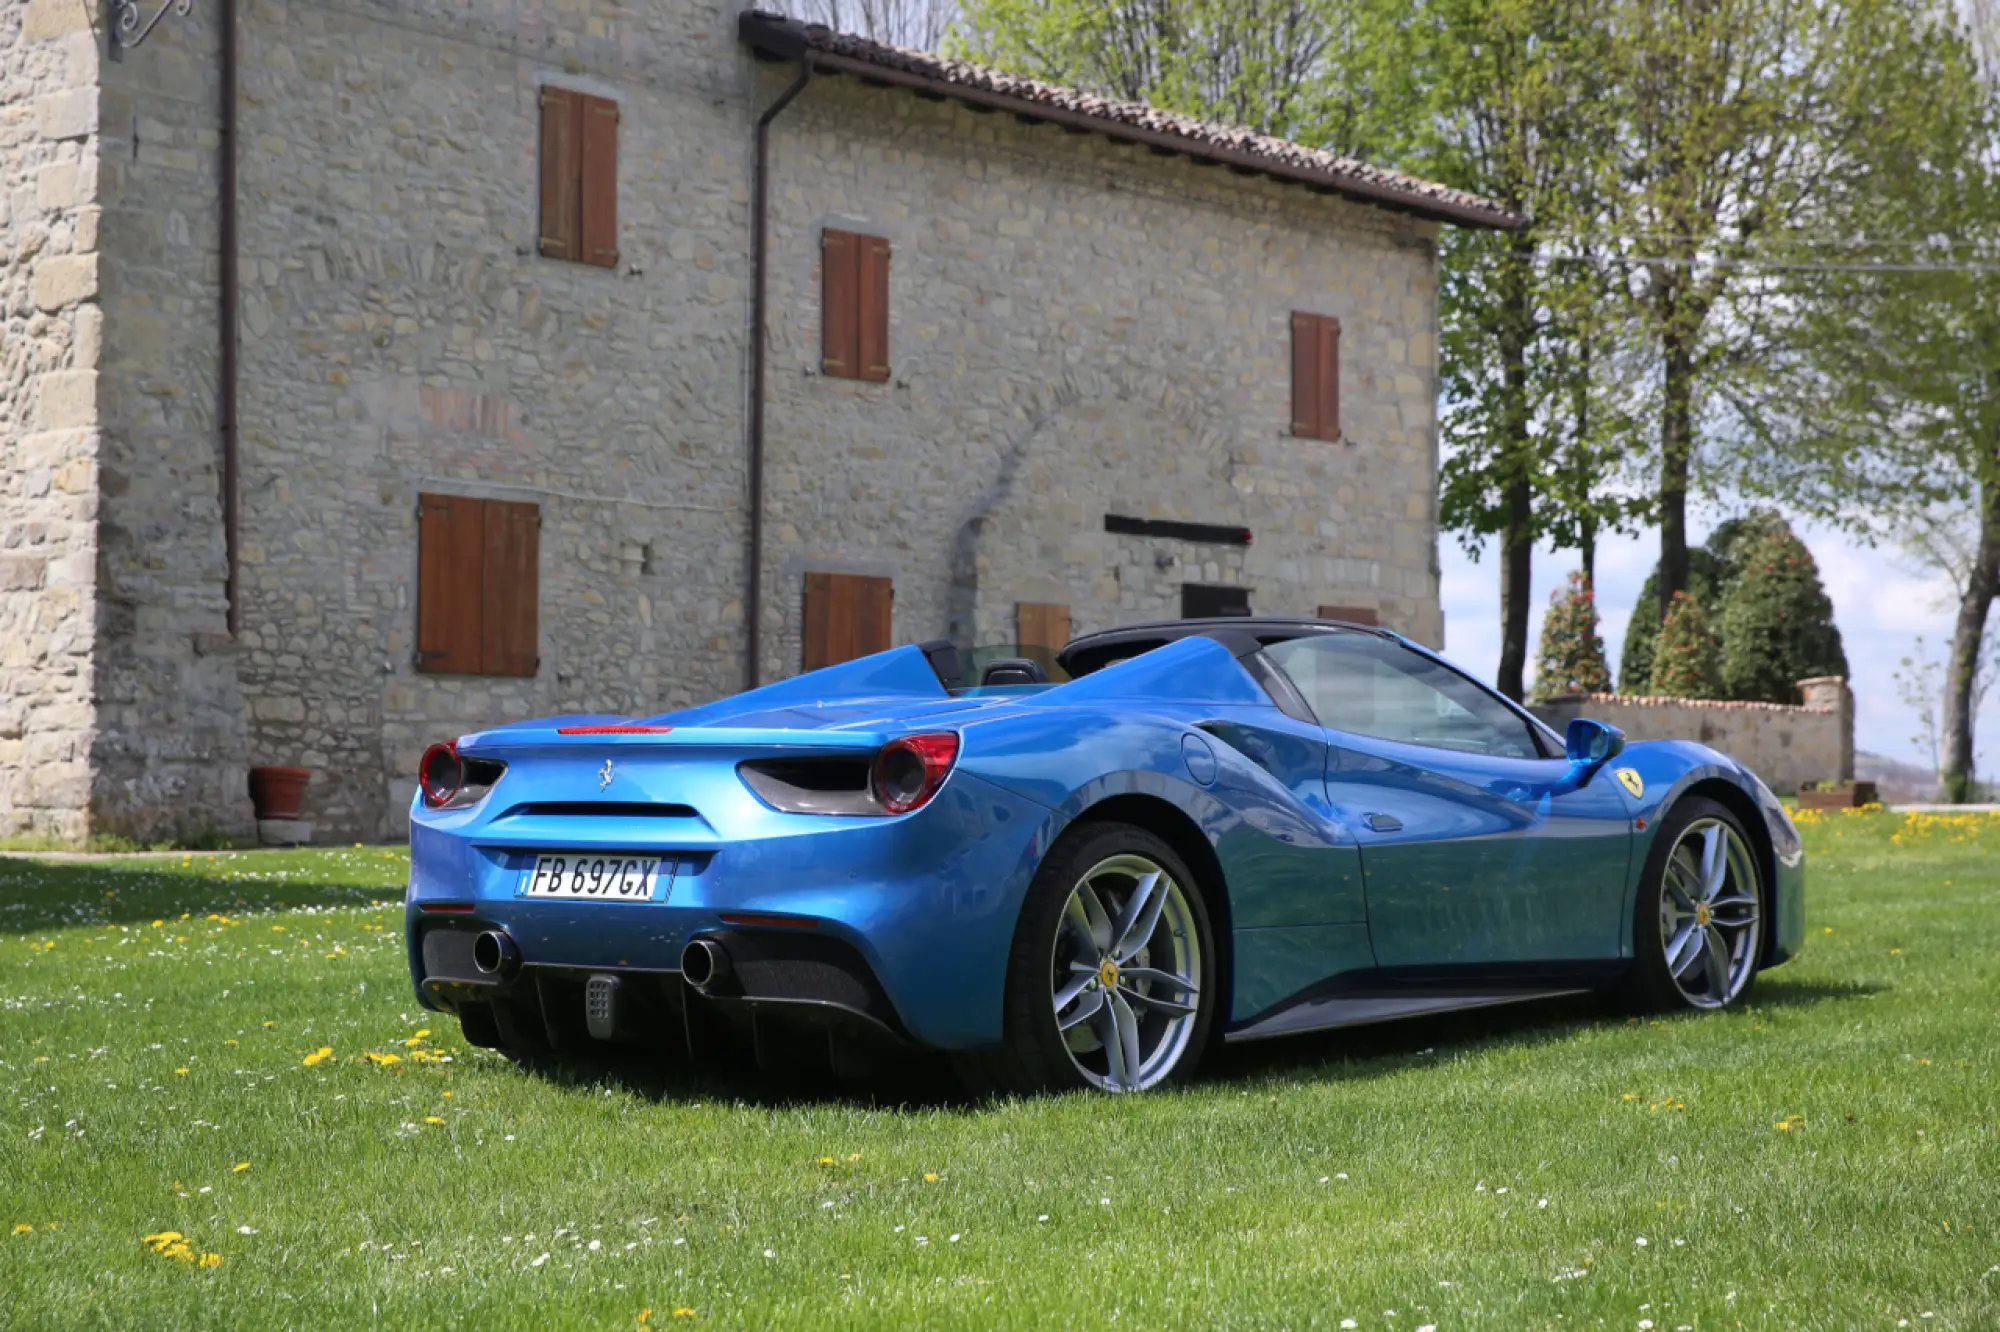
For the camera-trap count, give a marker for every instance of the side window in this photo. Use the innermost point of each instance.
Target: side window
(1375, 687)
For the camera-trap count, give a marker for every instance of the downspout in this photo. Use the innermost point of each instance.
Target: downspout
(753, 600)
(226, 362)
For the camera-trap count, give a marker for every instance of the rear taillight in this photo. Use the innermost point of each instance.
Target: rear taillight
(909, 771)
(449, 780)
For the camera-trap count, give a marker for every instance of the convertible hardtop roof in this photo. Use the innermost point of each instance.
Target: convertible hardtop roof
(1241, 634)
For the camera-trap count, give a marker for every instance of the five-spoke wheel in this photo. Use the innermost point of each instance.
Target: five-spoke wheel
(1113, 979)
(1126, 973)
(1700, 923)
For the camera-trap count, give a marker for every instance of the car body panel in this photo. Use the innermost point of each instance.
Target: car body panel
(1499, 863)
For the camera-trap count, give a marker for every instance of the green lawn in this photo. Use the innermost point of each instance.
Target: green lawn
(1828, 1158)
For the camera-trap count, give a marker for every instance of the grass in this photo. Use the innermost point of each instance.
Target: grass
(1828, 1158)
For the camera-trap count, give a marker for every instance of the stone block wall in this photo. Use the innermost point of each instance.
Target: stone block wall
(1782, 744)
(51, 344)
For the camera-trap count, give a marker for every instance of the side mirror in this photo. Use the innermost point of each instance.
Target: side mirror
(1592, 742)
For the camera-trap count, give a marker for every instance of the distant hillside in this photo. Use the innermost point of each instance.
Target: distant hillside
(1900, 782)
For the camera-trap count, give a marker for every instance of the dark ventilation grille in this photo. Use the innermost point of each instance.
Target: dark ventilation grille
(598, 809)
(1215, 533)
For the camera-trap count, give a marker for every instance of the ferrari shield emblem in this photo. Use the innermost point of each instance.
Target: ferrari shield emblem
(1633, 782)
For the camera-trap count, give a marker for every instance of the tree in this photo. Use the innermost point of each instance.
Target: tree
(1689, 661)
(1890, 405)
(921, 25)
(1777, 622)
(1571, 657)
(1736, 133)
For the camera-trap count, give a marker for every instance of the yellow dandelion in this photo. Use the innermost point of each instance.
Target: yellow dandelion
(824, 1160)
(279, 928)
(158, 923)
(644, 1314)
(432, 1119)
(181, 1072)
(1783, 1126)
(1895, 952)
(930, 1179)
(241, 1166)
(421, 1033)
(684, 1312)
(319, 1056)
(270, 1024)
(384, 1060)
(229, 1042)
(22, 1227)
(447, 1095)
(211, 1260)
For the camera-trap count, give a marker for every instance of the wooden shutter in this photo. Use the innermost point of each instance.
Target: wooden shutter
(872, 316)
(562, 173)
(1315, 376)
(840, 318)
(451, 552)
(511, 589)
(1041, 624)
(598, 177)
(846, 616)
(1351, 614)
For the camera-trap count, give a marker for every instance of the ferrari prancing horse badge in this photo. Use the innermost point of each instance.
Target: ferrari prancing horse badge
(1633, 782)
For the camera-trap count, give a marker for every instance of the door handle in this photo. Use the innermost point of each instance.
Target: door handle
(1384, 823)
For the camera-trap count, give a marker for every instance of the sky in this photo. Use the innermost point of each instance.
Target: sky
(1880, 601)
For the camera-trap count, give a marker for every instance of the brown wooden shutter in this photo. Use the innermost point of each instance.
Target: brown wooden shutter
(840, 280)
(1315, 376)
(599, 181)
(1351, 614)
(511, 587)
(1041, 624)
(846, 616)
(451, 551)
(1329, 378)
(872, 317)
(562, 171)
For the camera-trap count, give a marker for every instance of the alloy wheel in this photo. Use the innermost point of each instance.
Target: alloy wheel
(1711, 919)
(1126, 974)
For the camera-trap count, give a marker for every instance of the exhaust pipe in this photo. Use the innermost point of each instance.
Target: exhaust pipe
(704, 964)
(495, 955)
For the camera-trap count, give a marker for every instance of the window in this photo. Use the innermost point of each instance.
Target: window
(1351, 614)
(854, 306)
(847, 616)
(478, 586)
(1315, 376)
(1201, 602)
(579, 177)
(1373, 686)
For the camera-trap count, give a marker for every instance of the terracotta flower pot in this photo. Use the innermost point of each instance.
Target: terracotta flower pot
(278, 793)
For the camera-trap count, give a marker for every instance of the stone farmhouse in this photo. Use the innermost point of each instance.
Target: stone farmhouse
(380, 370)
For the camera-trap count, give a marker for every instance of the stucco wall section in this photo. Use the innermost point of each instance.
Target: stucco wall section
(51, 337)
(1782, 744)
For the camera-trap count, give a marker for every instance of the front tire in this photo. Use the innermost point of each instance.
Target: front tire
(1698, 923)
(1113, 980)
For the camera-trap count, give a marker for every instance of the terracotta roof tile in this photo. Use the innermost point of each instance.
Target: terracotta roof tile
(774, 36)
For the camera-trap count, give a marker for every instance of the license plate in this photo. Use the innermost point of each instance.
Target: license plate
(594, 878)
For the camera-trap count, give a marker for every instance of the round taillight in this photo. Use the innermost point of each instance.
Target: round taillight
(908, 772)
(440, 774)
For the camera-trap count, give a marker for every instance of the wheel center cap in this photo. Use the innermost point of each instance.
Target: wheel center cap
(1107, 975)
(1702, 915)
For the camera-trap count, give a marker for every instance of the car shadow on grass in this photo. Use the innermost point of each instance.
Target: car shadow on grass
(42, 895)
(926, 1083)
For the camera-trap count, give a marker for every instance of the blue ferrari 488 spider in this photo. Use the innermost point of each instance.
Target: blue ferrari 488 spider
(1197, 831)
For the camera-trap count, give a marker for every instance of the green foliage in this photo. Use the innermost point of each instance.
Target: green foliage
(1706, 575)
(1688, 661)
(1571, 658)
(1777, 622)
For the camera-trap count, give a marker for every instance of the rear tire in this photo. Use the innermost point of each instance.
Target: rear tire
(1698, 921)
(1113, 980)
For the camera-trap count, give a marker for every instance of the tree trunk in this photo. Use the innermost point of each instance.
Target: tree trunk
(1982, 585)
(1586, 552)
(1676, 451)
(1517, 549)
(1517, 497)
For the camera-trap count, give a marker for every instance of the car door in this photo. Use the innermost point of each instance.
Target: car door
(1479, 846)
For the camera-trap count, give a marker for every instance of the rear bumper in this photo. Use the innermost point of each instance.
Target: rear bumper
(926, 904)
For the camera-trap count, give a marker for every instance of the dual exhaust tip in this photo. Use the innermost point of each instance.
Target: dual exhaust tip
(704, 962)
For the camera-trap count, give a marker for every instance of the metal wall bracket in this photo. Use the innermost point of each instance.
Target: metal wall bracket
(127, 29)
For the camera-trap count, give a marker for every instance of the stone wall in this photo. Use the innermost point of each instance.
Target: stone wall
(51, 340)
(1782, 744)
(1077, 329)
